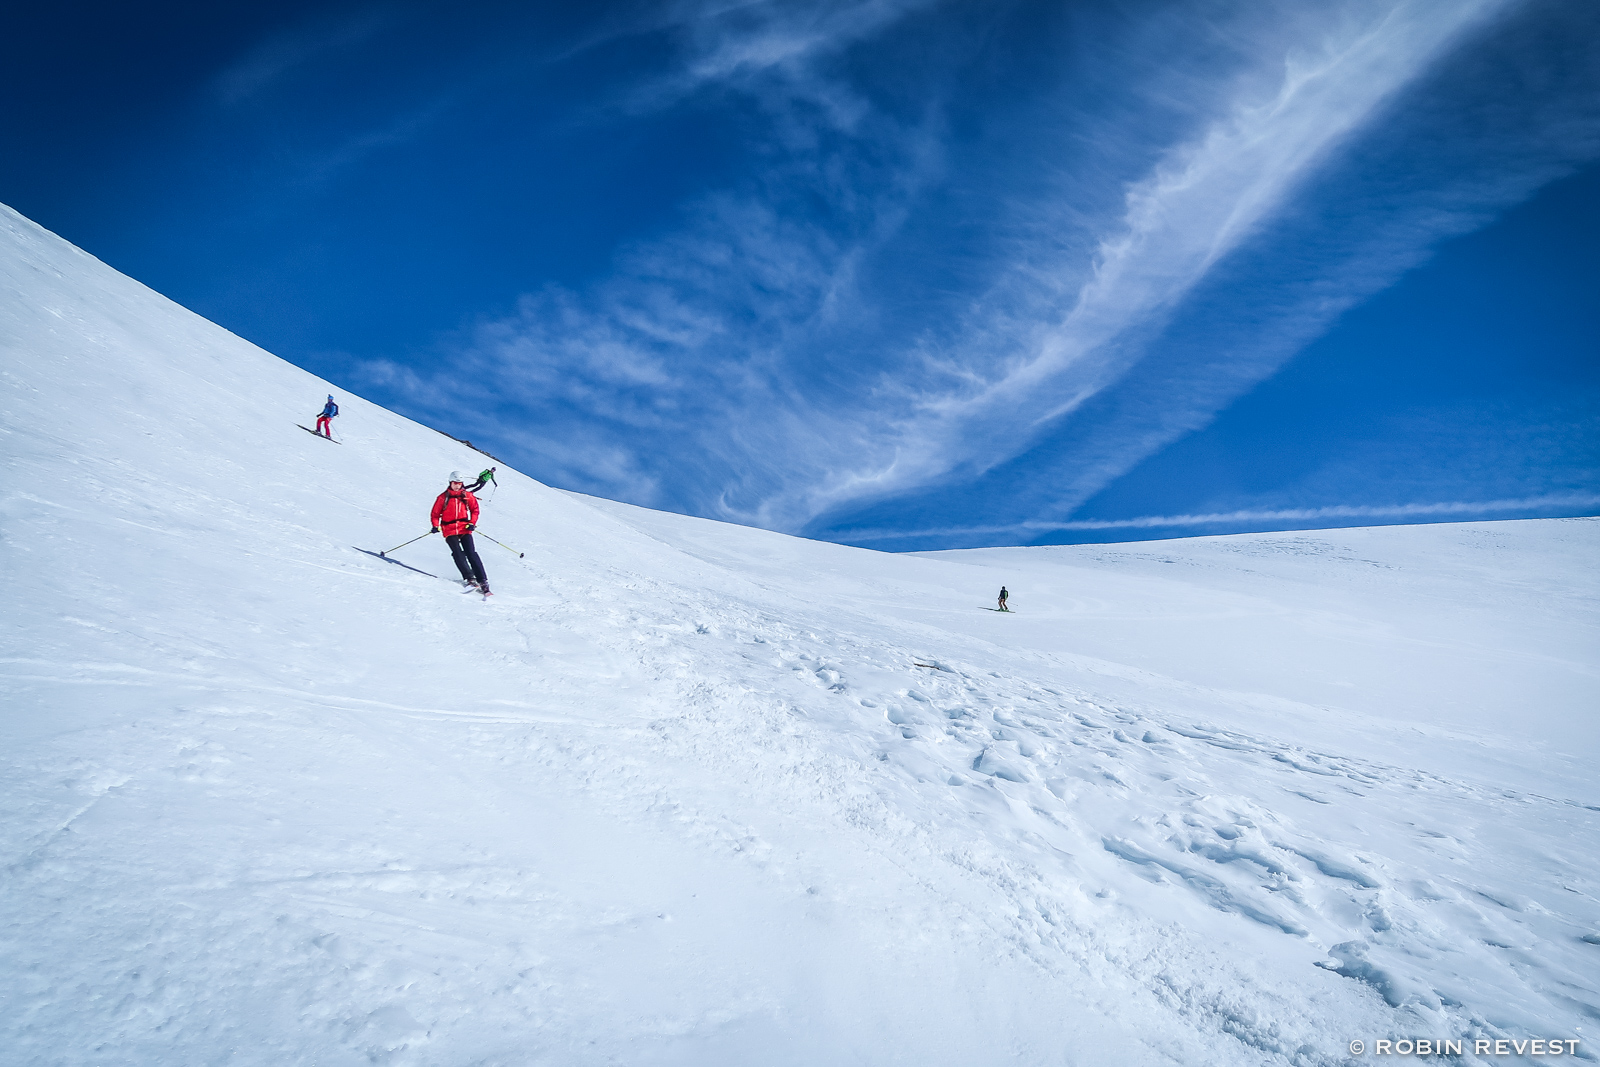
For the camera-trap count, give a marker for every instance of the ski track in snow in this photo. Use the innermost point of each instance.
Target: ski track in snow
(679, 793)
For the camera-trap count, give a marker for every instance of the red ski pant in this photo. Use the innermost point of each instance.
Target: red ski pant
(325, 425)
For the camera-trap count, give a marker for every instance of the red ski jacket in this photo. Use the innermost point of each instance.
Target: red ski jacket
(454, 512)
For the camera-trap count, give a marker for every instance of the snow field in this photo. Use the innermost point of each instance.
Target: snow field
(678, 793)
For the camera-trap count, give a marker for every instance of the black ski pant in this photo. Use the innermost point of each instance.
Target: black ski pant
(466, 557)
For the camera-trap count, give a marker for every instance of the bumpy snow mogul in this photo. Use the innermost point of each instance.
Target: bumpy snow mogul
(455, 514)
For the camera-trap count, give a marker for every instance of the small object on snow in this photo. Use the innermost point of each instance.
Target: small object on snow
(931, 666)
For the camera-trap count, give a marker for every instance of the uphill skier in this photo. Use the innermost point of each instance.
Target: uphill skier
(330, 411)
(484, 478)
(455, 514)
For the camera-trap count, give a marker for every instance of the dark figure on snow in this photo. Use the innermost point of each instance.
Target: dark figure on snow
(455, 513)
(330, 411)
(1003, 596)
(484, 478)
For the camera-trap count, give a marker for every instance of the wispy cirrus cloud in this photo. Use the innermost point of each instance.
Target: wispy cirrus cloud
(790, 352)
(645, 357)
(1338, 514)
(772, 48)
(280, 53)
(1203, 198)
(735, 39)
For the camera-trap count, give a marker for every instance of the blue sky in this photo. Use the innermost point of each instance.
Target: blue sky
(898, 273)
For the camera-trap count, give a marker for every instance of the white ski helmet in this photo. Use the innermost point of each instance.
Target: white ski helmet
(455, 476)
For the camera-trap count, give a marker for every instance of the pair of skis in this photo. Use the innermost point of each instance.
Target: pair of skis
(314, 433)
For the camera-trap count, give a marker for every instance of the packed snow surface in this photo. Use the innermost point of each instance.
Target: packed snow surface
(684, 792)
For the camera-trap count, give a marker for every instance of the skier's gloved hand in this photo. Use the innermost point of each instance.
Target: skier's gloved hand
(436, 529)
(471, 526)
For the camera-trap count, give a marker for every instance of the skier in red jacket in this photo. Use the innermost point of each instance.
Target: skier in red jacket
(455, 512)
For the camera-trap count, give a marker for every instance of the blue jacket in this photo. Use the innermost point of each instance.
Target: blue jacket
(330, 409)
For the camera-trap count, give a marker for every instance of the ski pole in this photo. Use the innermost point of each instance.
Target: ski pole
(397, 548)
(508, 548)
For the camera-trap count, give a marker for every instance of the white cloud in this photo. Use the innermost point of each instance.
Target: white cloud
(1199, 203)
(279, 54)
(770, 47)
(725, 358)
(1557, 502)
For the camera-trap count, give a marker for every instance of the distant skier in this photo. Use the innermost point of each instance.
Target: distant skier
(330, 411)
(455, 513)
(484, 477)
(1003, 596)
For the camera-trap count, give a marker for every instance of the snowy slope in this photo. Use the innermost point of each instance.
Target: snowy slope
(678, 793)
